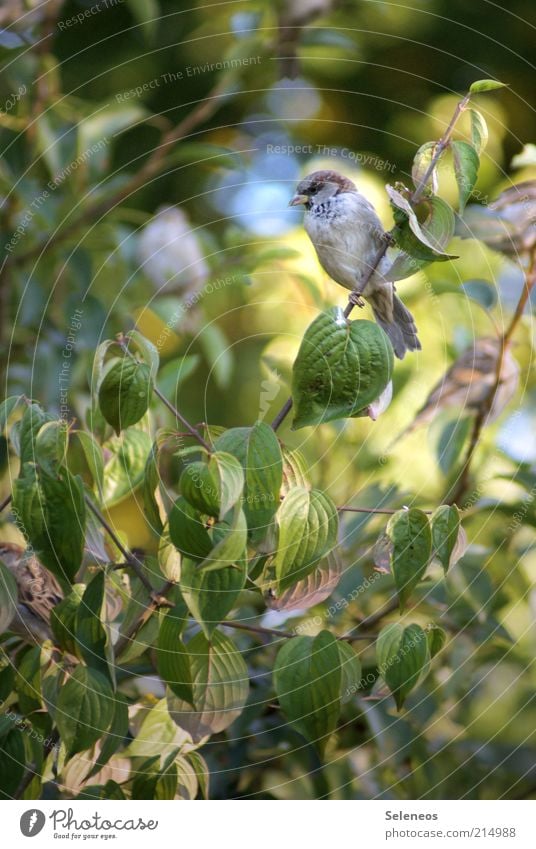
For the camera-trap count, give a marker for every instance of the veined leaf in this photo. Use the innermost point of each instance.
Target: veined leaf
(403, 658)
(85, 709)
(220, 687)
(125, 392)
(213, 487)
(342, 367)
(411, 538)
(211, 595)
(307, 680)
(173, 659)
(445, 523)
(479, 130)
(466, 165)
(308, 523)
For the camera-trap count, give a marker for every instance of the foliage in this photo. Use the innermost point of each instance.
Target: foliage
(221, 583)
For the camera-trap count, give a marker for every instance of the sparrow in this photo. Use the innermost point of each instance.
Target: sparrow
(347, 236)
(38, 593)
(468, 381)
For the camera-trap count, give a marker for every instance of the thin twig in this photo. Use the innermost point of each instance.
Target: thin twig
(485, 408)
(274, 632)
(373, 510)
(132, 561)
(374, 618)
(5, 502)
(415, 197)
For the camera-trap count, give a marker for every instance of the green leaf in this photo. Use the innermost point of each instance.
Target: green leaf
(85, 709)
(258, 450)
(437, 638)
(485, 85)
(341, 368)
(220, 687)
(50, 447)
(411, 538)
(125, 392)
(63, 619)
(114, 738)
(230, 538)
(403, 658)
(45, 505)
(84, 458)
(214, 487)
(211, 595)
(148, 351)
(479, 130)
(445, 523)
(12, 763)
(307, 680)
(466, 165)
(434, 233)
(124, 470)
(90, 633)
(421, 162)
(350, 671)
(187, 531)
(308, 523)
(32, 421)
(7, 408)
(451, 442)
(173, 659)
(8, 597)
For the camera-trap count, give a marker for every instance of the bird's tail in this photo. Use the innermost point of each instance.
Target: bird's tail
(401, 330)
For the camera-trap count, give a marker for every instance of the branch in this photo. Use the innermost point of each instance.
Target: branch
(287, 635)
(415, 197)
(152, 167)
(485, 408)
(373, 510)
(5, 502)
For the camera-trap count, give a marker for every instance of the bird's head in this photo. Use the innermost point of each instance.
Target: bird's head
(319, 187)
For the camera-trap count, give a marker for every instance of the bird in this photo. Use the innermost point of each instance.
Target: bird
(467, 383)
(38, 593)
(348, 236)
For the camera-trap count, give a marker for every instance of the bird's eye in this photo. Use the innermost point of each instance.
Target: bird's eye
(313, 188)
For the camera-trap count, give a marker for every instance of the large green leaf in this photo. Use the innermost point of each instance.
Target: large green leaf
(85, 709)
(466, 165)
(411, 539)
(307, 680)
(210, 595)
(341, 368)
(259, 452)
(114, 737)
(187, 530)
(220, 687)
(403, 658)
(44, 506)
(173, 659)
(32, 421)
(308, 523)
(350, 671)
(63, 619)
(125, 392)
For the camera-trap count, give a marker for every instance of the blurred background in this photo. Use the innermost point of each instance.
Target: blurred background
(148, 156)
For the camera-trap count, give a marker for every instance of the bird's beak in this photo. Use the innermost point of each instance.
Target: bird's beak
(297, 199)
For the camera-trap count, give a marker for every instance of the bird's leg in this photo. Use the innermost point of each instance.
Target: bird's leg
(356, 299)
(389, 238)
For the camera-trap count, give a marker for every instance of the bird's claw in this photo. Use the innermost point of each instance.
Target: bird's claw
(356, 298)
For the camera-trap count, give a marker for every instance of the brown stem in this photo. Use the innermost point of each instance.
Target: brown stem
(153, 166)
(274, 632)
(132, 561)
(415, 197)
(374, 618)
(485, 408)
(5, 502)
(373, 510)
